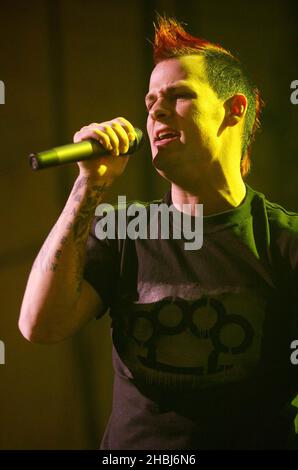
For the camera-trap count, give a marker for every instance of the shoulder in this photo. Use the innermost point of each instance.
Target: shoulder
(278, 217)
(282, 218)
(282, 230)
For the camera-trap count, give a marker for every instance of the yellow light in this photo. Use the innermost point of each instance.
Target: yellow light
(102, 169)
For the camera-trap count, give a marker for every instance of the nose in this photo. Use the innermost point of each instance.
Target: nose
(160, 109)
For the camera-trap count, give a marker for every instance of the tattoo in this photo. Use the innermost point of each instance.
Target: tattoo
(41, 261)
(77, 230)
(81, 227)
(82, 181)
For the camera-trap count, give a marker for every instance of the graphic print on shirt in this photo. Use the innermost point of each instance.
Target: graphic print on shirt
(203, 342)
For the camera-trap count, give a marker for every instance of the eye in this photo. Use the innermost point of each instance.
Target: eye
(149, 105)
(183, 95)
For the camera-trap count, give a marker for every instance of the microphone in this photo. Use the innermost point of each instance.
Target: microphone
(85, 150)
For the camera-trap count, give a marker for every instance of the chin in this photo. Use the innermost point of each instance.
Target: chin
(164, 161)
(165, 168)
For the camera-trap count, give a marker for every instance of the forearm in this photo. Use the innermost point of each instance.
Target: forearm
(55, 281)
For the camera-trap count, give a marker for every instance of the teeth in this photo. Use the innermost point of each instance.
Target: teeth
(163, 136)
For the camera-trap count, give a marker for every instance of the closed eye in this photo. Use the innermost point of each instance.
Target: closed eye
(149, 105)
(177, 95)
(184, 95)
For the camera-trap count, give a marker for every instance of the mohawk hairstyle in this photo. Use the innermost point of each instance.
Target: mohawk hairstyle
(224, 72)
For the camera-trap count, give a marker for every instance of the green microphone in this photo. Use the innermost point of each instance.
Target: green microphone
(71, 153)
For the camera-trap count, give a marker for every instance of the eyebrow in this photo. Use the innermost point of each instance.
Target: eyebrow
(150, 96)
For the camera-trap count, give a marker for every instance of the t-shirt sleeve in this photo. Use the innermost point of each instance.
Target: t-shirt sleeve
(286, 249)
(101, 268)
(288, 246)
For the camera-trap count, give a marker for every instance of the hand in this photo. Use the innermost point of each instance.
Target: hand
(115, 136)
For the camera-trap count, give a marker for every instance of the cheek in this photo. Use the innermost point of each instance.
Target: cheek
(149, 128)
(214, 115)
(187, 121)
(150, 134)
(198, 132)
(194, 125)
(207, 122)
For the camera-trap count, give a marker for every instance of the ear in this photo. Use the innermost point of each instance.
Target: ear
(235, 109)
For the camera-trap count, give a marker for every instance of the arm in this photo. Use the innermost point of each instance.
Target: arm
(57, 300)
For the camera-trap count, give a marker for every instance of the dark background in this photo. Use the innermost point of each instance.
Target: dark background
(66, 64)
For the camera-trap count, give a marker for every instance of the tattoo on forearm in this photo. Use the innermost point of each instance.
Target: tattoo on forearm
(76, 230)
(81, 227)
(42, 261)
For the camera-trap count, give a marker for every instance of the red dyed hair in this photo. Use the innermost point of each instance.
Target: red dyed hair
(171, 40)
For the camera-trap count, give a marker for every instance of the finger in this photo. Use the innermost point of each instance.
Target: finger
(106, 136)
(128, 127)
(114, 140)
(103, 138)
(122, 136)
(87, 133)
(82, 135)
(76, 137)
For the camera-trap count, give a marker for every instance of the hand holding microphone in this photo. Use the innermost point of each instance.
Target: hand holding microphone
(96, 148)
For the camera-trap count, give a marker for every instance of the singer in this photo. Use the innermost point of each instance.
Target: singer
(201, 338)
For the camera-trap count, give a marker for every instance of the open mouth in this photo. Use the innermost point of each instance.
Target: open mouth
(166, 138)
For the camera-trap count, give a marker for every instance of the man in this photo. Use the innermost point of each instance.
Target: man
(201, 339)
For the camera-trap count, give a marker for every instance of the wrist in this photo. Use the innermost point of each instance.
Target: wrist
(90, 179)
(90, 187)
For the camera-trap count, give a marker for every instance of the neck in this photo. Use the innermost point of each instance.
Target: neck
(215, 198)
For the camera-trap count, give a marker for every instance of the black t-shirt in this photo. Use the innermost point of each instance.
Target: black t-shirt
(201, 338)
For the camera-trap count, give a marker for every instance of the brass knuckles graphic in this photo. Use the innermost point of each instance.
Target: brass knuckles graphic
(155, 330)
